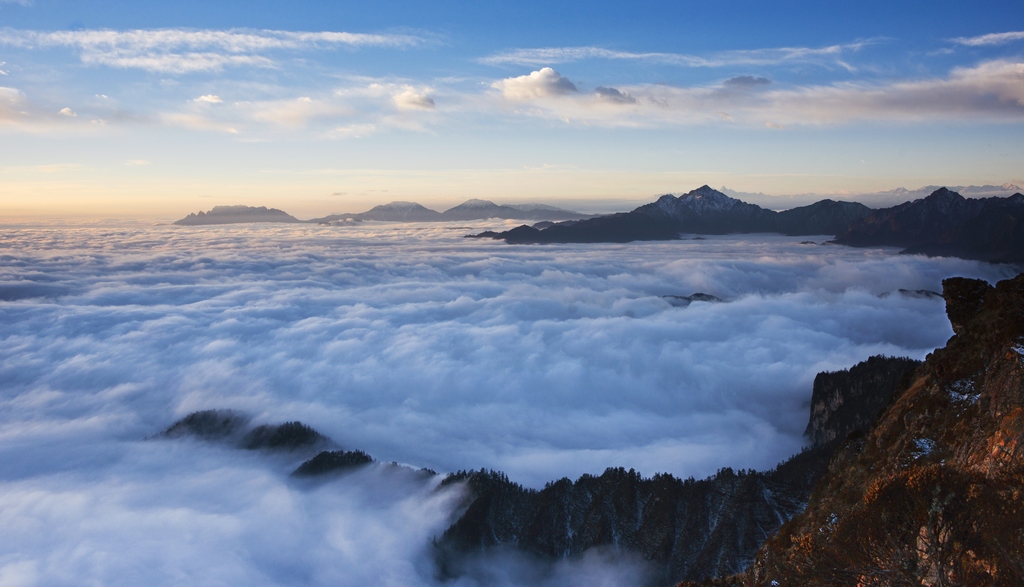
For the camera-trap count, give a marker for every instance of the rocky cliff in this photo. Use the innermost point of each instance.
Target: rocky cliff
(934, 493)
(848, 401)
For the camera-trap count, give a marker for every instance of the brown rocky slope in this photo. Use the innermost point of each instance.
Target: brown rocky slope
(934, 493)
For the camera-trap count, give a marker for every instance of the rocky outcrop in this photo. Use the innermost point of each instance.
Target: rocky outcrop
(236, 215)
(934, 493)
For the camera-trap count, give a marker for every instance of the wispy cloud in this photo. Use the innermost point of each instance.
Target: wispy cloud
(992, 90)
(768, 56)
(186, 50)
(990, 39)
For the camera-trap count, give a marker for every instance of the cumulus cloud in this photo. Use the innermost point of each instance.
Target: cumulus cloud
(543, 83)
(765, 56)
(67, 112)
(990, 39)
(410, 99)
(412, 344)
(179, 51)
(209, 99)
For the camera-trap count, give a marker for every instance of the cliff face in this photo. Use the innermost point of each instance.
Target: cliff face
(692, 529)
(848, 401)
(934, 493)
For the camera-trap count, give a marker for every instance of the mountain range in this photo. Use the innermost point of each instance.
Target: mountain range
(391, 212)
(942, 224)
(882, 199)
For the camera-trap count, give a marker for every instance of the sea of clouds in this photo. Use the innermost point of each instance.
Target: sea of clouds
(417, 346)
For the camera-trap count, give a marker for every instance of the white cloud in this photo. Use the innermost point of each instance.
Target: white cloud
(67, 112)
(990, 39)
(209, 99)
(187, 51)
(768, 56)
(543, 83)
(409, 99)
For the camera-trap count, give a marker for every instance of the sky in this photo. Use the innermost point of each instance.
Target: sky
(415, 345)
(155, 110)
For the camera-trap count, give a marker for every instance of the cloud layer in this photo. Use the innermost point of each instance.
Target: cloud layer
(415, 345)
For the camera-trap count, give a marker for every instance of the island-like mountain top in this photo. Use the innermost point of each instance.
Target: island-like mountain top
(398, 211)
(236, 215)
(475, 209)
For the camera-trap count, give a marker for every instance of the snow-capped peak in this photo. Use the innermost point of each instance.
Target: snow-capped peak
(707, 199)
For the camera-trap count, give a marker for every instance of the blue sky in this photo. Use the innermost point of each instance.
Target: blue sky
(315, 107)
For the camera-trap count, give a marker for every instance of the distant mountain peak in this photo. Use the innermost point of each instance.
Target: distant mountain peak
(477, 203)
(708, 199)
(398, 205)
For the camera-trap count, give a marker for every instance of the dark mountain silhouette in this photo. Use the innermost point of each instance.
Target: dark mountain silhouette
(946, 224)
(932, 495)
(236, 215)
(701, 211)
(234, 428)
(332, 462)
